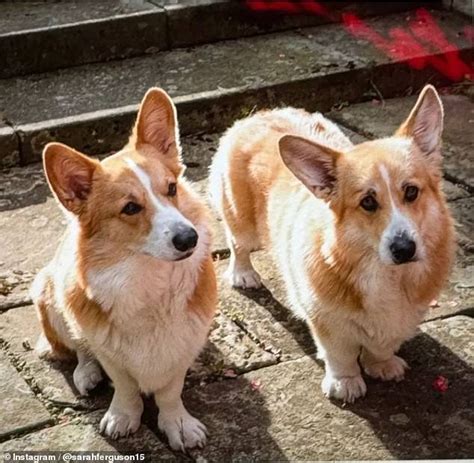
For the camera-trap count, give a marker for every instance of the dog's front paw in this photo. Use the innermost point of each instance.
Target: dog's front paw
(87, 376)
(183, 430)
(115, 423)
(245, 279)
(346, 388)
(388, 370)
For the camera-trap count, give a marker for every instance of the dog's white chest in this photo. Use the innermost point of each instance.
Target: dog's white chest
(388, 318)
(152, 333)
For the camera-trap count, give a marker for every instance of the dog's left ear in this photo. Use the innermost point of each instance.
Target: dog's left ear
(313, 164)
(425, 123)
(157, 122)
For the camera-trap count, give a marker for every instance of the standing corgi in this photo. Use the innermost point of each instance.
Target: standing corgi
(132, 286)
(361, 233)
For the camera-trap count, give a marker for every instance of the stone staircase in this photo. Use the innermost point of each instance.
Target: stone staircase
(99, 58)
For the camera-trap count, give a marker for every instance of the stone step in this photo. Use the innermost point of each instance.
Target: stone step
(38, 36)
(92, 107)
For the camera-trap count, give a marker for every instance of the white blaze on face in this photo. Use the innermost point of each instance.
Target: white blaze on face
(166, 221)
(399, 224)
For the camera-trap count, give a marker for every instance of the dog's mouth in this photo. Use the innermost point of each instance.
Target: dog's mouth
(185, 256)
(404, 263)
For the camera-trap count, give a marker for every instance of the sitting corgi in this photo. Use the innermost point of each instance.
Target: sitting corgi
(132, 286)
(362, 234)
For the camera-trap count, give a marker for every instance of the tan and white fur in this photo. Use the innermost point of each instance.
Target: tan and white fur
(132, 286)
(361, 233)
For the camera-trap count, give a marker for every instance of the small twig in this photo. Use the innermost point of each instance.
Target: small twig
(378, 93)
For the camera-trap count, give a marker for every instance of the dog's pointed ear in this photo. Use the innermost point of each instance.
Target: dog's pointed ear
(69, 174)
(313, 164)
(425, 123)
(156, 123)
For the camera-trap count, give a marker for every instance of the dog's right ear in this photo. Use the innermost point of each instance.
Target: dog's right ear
(156, 123)
(69, 174)
(313, 164)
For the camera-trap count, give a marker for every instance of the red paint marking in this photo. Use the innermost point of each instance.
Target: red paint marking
(420, 42)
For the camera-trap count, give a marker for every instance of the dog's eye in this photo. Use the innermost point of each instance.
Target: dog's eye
(172, 189)
(131, 208)
(411, 193)
(369, 203)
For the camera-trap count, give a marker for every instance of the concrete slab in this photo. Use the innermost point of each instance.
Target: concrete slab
(21, 410)
(14, 288)
(377, 120)
(212, 84)
(264, 313)
(20, 329)
(463, 6)
(9, 147)
(463, 212)
(70, 34)
(30, 235)
(31, 15)
(191, 22)
(279, 413)
(229, 349)
(81, 434)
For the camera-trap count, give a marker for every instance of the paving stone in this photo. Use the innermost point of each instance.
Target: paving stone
(378, 120)
(20, 329)
(280, 414)
(14, 289)
(264, 314)
(463, 6)
(228, 351)
(454, 192)
(81, 434)
(9, 147)
(21, 410)
(458, 296)
(463, 213)
(30, 235)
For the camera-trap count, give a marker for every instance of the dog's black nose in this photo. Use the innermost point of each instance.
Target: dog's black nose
(185, 239)
(403, 249)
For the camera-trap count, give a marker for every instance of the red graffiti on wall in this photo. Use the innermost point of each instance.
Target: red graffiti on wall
(421, 42)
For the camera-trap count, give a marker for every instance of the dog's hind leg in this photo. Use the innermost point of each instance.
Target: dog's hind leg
(241, 272)
(54, 342)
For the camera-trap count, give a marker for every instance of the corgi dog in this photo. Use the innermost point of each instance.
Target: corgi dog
(132, 287)
(361, 234)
